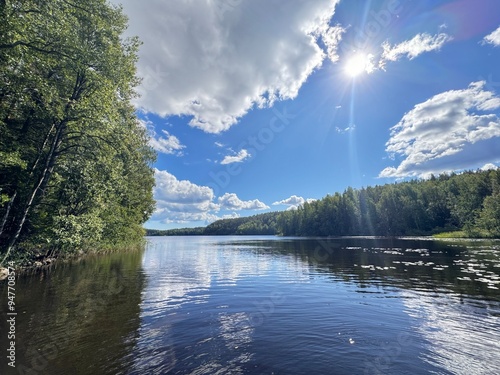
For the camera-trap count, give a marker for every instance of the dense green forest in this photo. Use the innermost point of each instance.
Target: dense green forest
(467, 202)
(257, 224)
(198, 231)
(75, 165)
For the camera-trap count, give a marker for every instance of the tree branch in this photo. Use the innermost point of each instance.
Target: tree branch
(36, 48)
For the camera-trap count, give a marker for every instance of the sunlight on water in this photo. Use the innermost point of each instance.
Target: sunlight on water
(268, 305)
(280, 297)
(461, 334)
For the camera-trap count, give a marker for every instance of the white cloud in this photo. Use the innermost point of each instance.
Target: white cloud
(293, 202)
(167, 144)
(230, 201)
(493, 38)
(453, 130)
(290, 201)
(232, 215)
(419, 44)
(489, 166)
(238, 158)
(215, 60)
(181, 201)
(362, 62)
(331, 37)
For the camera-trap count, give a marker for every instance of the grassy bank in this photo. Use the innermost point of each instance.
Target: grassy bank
(29, 256)
(464, 234)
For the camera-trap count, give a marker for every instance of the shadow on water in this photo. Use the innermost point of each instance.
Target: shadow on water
(467, 267)
(76, 318)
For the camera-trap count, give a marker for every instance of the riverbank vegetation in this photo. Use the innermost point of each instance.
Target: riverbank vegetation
(461, 205)
(75, 165)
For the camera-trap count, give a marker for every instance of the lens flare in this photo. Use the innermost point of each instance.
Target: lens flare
(358, 64)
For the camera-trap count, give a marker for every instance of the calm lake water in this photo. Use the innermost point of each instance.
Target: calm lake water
(263, 305)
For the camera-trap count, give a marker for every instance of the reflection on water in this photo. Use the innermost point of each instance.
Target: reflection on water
(462, 335)
(77, 318)
(267, 305)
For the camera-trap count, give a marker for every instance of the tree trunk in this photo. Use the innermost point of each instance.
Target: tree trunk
(45, 175)
(7, 211)
(50, 161)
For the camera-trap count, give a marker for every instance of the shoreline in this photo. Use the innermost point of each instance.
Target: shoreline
(41, 261)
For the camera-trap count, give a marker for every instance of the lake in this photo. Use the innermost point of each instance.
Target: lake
(263, 305)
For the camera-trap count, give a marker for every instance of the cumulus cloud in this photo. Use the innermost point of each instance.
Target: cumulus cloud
(369, 63)
(215, 60)
(181, 201)
(238, 158)
(419, 44)
(230, 201)
(454, 130)
(493, 38)
(289, 201)
(167, 144)
(331, 37)
(293, 202)
(489, 166)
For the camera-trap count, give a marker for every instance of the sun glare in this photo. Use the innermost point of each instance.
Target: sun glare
(357, 65)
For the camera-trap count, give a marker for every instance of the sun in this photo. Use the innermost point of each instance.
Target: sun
(358, 64)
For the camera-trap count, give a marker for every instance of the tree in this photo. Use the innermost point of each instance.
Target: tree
(489, 219)
(78, 166)
(467, 201)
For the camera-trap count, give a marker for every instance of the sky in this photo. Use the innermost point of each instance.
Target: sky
(261, 105)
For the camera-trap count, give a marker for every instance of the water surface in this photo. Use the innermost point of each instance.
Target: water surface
(264, 305)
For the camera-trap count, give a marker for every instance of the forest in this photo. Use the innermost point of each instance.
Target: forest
(467, 204)
(257, 224)
(75, 165)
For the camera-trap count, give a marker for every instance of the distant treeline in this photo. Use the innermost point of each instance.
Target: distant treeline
(257, 224)
(198, 231)
(467, 202)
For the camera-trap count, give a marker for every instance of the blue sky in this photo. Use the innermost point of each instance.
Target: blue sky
(260, 105)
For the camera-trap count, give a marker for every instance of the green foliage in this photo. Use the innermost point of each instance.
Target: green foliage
(198, 231)
(457, 205)
(469, 202)
(76, 167)
(489, 219)
(257, 224)
(454, 234)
